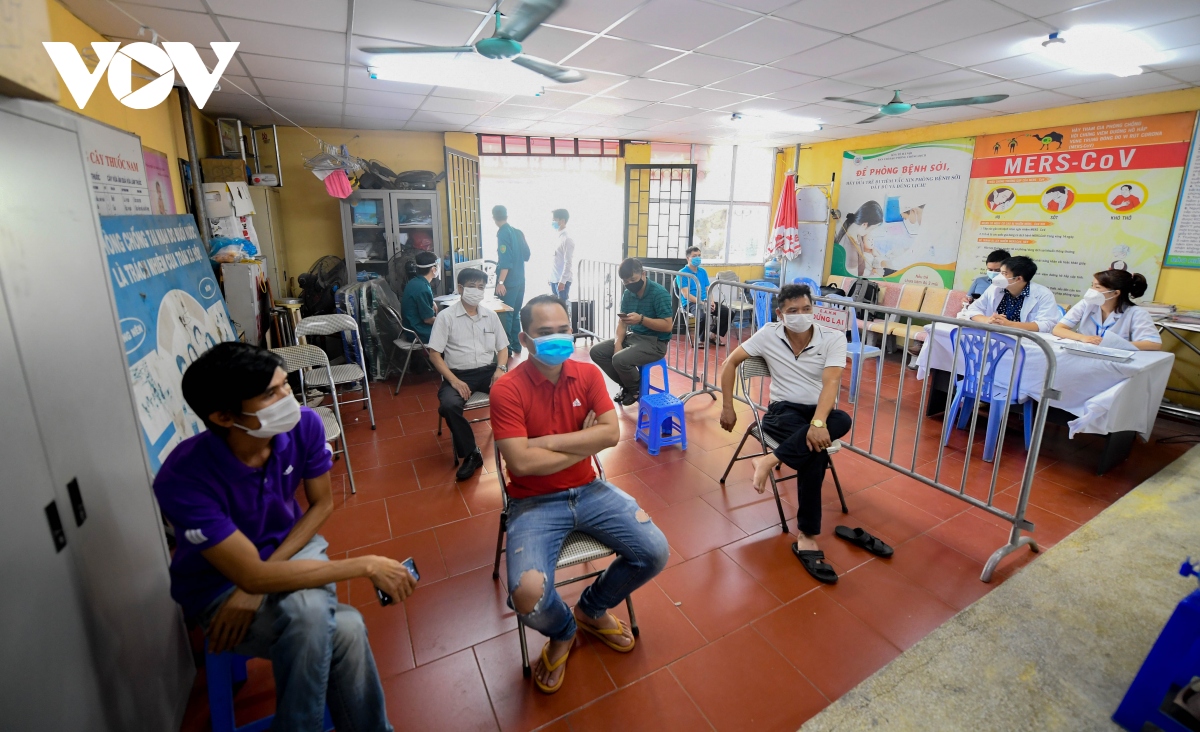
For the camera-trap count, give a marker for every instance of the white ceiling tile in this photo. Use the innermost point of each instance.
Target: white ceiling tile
(297, 90)
(513, 111)
(1039, 8)
(764, 80)
(367, 111)
(603, 131)
(417, 126)
(1190, 74)
(449, 118)
(1011, 88)
(1173, 35)
(451, 92)
(700, 70)
(379, 98)
(1130, 85)
(552, 129)
(358, 57)
(682, 24)
(1126, 13)
(997, 44)
(553, 44)
(290, 69)
(1017, 67)
(760, 6)
(607, 105)
(316, 121)
(620, 57)
(320, 14)
(301, 106)
(592, 16)
(1034, 101)
(595, 83)
(1125, 95)
(277, 40)
(946, 84)
(374, 123)
(173, 25)
(1059, 79)
(195, 6)
(953, 114)
(633, 123)
(1180, 58)
(549, 100)
(837, 57)
(571, 117)
(767, 40)
(648, 90)
(360, 79)
(662, 112)
(848, 16)
(833, 115)
(506, 124)
(710, 99)
(759, 105)
(891, 73)
(416, 22)
(459, 106)
(949, 21)
(228, 100)
(815, 91)
(480, 5)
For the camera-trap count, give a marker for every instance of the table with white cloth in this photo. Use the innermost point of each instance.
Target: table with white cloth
(1119, 399)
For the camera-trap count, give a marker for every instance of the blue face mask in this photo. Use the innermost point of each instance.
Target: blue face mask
(554, 224)
(553, 349)
(695, 261)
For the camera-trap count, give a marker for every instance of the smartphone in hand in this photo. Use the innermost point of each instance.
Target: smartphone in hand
(384, 598)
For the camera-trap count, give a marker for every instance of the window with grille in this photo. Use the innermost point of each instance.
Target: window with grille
(659, 207)
(548, 146)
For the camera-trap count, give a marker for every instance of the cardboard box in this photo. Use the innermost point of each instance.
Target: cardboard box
(26, 70)
(218, 203)
(223, 170)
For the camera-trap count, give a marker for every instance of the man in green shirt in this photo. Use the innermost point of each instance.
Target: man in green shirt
(416, 307)
(643, 331)
(510, 274)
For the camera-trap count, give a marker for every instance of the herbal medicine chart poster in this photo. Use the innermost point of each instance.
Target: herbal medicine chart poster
(902, 212)
(1077, 199)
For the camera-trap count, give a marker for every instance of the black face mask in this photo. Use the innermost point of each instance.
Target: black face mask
(635, 287)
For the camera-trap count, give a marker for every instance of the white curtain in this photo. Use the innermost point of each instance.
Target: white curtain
(532, 187)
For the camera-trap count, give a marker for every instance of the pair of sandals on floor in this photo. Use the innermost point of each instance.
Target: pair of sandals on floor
(604, 634)
(814, 559)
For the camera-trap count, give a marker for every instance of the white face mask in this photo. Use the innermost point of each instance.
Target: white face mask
(999, 281)
(275, 419)
(472, 296)
(797, 322)
(1095, 297)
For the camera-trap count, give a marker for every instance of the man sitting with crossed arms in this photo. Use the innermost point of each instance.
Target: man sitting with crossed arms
(550, 415)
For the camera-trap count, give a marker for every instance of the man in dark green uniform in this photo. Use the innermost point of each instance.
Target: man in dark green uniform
(647, 314)
(510, 274)
(416, 307)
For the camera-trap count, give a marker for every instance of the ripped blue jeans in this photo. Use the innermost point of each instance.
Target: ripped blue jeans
(537, 527)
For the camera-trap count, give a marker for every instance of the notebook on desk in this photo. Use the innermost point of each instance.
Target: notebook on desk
(1101, 352)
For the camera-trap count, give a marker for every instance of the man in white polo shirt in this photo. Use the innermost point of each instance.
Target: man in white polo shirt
(806, 362)
(469, 348)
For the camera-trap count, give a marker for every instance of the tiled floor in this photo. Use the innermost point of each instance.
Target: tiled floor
(735, 635)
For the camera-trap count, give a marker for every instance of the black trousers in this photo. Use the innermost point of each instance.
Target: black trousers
(451, 403)
(717, 318)
(788, 424)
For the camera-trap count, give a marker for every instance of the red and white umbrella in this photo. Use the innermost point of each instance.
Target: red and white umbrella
(785, 239)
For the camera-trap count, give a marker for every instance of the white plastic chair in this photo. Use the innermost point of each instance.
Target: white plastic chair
(309, 360)
(345, 373)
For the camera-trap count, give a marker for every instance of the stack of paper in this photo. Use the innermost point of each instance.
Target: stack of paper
(1158, 309)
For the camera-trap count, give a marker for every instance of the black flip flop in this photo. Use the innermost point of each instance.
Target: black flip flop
(858, 537)
(814, 562)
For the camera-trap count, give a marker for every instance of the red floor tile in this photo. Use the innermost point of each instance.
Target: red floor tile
(857, 473)
(351, 527)
(894, 606)
(741, 683)
(470, 543)
(677, 481)
(657, 703)
(456, 613)
(358, 432)
(971, 535)
(693, 527)
(1070, 504)
(447, 694)
(482, 493)
(925, 497)
(409, 447)
(893, 520)
(750, 510)
(387, 629)
(426, 509)
(626, 457)
(951, 577)
(436, 470)
(714, 462)
(417, 422)
(376, 483)
(633, 485)
(716, 594)
(767, 556)
(666, 635)
(422, 546)
(826, 642)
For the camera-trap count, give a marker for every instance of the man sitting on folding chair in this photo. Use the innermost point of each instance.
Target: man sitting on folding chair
(806, 362)
(469, 349)
(550, 416)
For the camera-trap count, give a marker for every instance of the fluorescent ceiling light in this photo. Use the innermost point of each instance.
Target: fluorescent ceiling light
(772, 122)
(1099, 49)
(462, 71)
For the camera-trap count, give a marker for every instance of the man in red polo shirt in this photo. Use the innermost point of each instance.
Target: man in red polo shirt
(550, 415)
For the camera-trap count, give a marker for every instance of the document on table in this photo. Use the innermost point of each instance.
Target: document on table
(1090, 351)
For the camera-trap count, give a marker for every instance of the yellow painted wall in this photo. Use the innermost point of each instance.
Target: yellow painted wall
(1178, 286)
(160, 128)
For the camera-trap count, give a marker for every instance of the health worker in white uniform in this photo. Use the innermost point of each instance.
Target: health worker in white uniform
(1107, 315)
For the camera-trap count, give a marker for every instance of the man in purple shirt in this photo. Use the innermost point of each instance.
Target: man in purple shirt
(250, 566)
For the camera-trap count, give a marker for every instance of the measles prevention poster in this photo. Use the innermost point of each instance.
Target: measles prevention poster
(1077, 199)
(902, 212)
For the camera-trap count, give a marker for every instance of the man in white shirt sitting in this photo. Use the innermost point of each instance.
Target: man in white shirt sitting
(469, 348)
(806, 362)
(1014, 301)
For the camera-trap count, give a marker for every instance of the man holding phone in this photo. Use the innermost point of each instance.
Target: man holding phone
(643, 331)
(250, 567)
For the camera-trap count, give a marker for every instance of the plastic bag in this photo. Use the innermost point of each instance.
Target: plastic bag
(225, 250)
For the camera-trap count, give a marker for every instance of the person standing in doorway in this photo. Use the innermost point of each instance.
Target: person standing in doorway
(510, 274)
(564, 254)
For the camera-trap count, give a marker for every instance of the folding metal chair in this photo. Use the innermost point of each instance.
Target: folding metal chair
(577, 548)
(344, 373)
(477, 400)
(756, 367)
(307, 359)
(400, 345)
(691, 323)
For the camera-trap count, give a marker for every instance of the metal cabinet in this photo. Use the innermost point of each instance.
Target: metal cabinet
(379, 225)
(91, 632)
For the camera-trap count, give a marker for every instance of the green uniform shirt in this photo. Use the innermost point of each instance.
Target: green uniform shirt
(655, 302)
(417, 306)
(513, 254)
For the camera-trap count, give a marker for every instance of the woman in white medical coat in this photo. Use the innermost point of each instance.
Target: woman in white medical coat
(1107, 315)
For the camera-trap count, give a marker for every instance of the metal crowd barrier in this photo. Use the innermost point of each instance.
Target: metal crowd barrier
(895, 449)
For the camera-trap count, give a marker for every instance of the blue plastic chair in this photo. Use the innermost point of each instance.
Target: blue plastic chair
(979, 375)
(762, 303)
(812, 284)
(223, 670)
(659, 412)
(857, 351)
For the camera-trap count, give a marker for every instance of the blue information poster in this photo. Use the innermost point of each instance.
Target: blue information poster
(171, 311)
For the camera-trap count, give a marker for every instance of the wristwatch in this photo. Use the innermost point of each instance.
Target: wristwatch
(817, 423)
(502, 367)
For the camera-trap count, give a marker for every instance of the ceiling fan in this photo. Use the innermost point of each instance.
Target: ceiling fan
(505, 43)
(896, 106)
